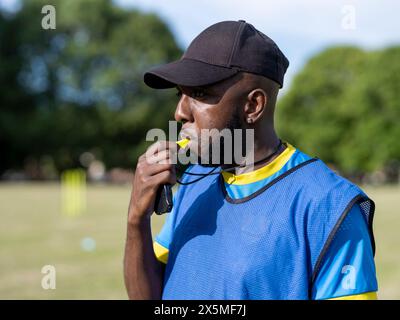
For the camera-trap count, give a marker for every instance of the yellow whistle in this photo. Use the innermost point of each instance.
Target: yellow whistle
(183, 143)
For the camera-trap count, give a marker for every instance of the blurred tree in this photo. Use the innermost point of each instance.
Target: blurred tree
(79, 87)
(344, 107)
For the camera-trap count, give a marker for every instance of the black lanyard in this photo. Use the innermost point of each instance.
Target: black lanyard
(211, 172)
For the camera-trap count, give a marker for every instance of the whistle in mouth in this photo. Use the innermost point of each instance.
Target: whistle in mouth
(183, 143)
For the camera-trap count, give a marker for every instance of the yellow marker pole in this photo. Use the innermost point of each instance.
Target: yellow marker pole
(73, 192)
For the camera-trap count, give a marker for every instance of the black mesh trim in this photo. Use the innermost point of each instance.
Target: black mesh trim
(368, 208)
(258, 192)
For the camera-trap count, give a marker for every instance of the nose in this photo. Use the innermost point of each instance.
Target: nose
(183, 111)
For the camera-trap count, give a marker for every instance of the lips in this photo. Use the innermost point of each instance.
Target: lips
(189, 134)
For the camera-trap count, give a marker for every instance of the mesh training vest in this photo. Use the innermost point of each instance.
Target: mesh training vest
(266, 246)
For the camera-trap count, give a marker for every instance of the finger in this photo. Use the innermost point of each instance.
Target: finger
(164, 156)
(159, 146)
(164, 178)
(157, 168)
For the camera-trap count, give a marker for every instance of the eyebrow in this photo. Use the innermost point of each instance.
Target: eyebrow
(190, 89)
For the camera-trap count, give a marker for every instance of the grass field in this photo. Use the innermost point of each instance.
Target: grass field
(34, 233)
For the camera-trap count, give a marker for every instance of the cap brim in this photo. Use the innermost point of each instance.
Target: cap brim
(186, 72)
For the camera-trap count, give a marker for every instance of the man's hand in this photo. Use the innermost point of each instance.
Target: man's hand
(154, 169)
(143, 272)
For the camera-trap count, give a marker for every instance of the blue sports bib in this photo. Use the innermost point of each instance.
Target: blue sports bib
(268, 245)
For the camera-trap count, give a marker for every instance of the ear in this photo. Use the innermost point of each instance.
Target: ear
(255, 106)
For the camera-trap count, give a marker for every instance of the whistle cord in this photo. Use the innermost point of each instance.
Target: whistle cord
(211, 172)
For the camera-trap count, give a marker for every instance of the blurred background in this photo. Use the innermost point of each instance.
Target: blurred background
(74, 113)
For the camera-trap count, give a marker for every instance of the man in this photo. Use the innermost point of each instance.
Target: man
(289, 229)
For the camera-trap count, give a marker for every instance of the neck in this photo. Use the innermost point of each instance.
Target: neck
(264, 146)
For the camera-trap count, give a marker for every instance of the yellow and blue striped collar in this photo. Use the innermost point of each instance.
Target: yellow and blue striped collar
(262, 173)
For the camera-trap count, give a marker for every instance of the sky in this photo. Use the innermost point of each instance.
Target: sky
(301, 28)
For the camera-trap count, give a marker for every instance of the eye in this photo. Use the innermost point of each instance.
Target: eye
(198, 93)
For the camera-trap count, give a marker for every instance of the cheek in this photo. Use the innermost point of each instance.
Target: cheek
(205, 116)
(212, 116)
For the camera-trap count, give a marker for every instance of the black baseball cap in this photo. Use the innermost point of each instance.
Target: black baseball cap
(219, 52)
